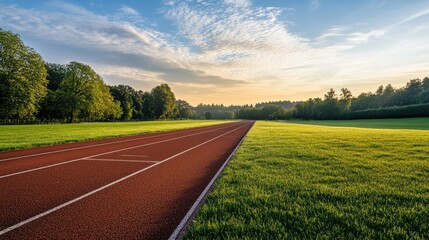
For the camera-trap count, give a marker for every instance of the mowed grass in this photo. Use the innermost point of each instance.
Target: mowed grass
(399, 123)
(299, 181)
(24, 136)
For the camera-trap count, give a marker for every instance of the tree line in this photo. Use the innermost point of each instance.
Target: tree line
(412, 100)
(34, 91)
(285, 104)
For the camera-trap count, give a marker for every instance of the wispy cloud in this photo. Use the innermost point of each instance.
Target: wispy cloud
(363, 37)
(315, 4)
(415, 16)
(334, 31)
(236, 41)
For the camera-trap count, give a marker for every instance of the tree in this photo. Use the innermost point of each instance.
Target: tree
(86, 96)
(412, 90)
(56, 74)
(388, 90)
(22, 78)
(123, 94)
(270, 112)
(183, 109)
(147, 105)
(331, 95)
(424, 95)
(207, 115)
(137, 99)
(164, 102)
(346, 99)
(379, 91)
(50, 106)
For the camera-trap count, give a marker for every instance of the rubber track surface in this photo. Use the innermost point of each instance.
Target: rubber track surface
(137, 187)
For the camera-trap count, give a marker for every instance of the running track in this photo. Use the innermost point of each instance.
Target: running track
(136, 187)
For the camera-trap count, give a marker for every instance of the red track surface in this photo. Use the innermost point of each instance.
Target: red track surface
(137, 187)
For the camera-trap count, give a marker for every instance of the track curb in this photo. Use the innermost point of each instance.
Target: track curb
(181, 229)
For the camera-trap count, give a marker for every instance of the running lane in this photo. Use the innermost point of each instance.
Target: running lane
(137, 191)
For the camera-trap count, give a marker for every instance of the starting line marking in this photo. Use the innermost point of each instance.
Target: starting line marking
(110, 184)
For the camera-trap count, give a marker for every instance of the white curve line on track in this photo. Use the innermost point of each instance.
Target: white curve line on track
(108, 185)
(101, 154)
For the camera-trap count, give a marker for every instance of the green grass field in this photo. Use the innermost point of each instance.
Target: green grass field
(301, 181)
(399, 123)
(24, 136)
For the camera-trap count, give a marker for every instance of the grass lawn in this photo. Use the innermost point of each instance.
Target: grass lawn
(399, 123)
(24, 136)
(301, 181)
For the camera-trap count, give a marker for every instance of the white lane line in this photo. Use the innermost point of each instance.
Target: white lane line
(39, 168)
(108, 185)
(117, 160)
(100, 154)
(132, 155)
(180, 229)
(97, 145)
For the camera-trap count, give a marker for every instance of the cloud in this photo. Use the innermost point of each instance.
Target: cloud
(82, 35)
(363, 37)
(315, 4)
(334, 31)
(129, 11)
(415, 16)
(238, 3)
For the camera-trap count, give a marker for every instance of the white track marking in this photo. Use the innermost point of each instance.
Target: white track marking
(193, 210)
(117, 160)
(105, 153)
(109, 185)
(131, 155)
(97, 145)
(39, 168)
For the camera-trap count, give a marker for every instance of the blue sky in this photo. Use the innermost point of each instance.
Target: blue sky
(232, 51)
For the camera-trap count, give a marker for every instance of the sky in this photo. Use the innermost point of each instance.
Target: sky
(232, 51)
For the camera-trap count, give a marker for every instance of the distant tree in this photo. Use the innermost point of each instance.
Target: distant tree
(184, 109)
(388, 90)
(22, 78)
(147, 106)
(164, 102)
(412, 91)
(207, 115)
(137, 98)
(284, 104)
(271, 112)
(56, 74)
(379, 91)
(346, 98)
(424, 95)
(123, 94)
(331, 95)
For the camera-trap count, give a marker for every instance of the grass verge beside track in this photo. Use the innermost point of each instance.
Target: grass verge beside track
(25, 136)
(299, 181)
